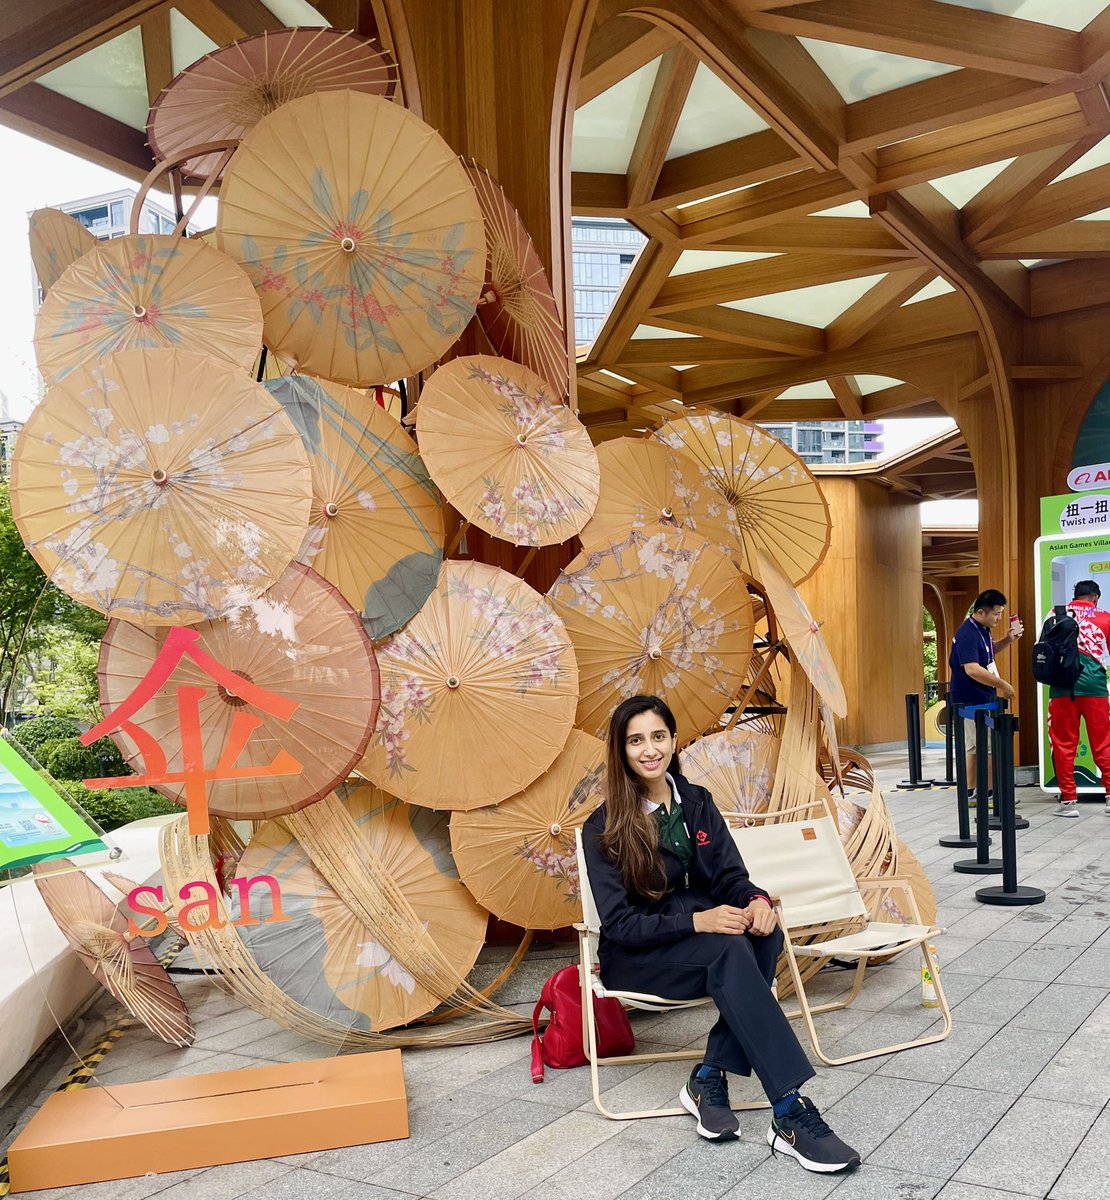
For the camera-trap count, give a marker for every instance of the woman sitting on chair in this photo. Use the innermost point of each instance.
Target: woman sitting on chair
(680, 918)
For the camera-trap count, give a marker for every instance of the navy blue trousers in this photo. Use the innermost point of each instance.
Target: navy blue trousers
(736, 970)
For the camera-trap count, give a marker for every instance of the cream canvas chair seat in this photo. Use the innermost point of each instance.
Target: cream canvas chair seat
(588, 973)
(802, 864)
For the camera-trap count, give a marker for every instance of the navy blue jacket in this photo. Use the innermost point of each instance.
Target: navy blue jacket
(717, 876)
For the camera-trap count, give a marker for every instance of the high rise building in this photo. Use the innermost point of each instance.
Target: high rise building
(603, 250)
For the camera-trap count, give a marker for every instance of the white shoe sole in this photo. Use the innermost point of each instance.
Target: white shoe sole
(687, 1102)
(779, 1144)
(1071, 814)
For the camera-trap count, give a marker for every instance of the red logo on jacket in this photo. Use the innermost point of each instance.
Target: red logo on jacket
(702, 837)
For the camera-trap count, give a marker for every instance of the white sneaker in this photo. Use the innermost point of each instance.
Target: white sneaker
(1106, 807)
(1064, 809)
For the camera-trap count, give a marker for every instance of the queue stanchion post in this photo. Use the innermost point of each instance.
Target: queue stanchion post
(949, 779)
(1011, 892)
(962, 839)
(913, 746)
(982, 863)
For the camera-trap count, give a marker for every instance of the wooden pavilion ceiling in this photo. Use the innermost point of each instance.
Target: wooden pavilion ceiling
(916, 125)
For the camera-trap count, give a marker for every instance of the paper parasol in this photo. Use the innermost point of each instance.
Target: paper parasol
(647, 486)
(325, 957)
(300, 641)
(376, 529)
(478, 693)
(737, 765)
(505, 452)
(125, 965)
(664, 615)
(517, 858)
(148, 291)
(226, 93)
(772, 500)
(803, 634)
(57, 240)
(362, 233)
(161, 486)
(518, 310)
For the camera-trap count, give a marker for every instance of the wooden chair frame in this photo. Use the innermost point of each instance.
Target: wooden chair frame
(873, 887)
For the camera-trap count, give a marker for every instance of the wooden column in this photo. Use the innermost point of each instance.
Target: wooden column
(867, 593)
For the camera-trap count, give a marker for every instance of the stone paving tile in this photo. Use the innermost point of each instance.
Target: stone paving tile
(1011, 1060)
(985, 958)
(938, 1062)
(780, 1177)
(871, 1112)
(1061, 1007)
(301, 1184)
(1030, 1146)
(707, 1171)
(1041, 961)
(138, 1187)
(997, 1001)
(970, 1191)
(1082, 927)
(1091, 967)
(464, 1148)
(879, 1183)
(226, 1182)
(885, 1029)
(1085, 1177)
(937, 1138)
(887, 983)
(1080, 1071)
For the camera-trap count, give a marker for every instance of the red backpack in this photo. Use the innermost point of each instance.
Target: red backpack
(562, 1041)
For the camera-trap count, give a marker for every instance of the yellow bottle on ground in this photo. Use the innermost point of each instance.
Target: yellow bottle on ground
(928, 985)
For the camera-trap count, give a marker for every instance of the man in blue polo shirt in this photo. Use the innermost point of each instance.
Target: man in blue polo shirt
(973, 677)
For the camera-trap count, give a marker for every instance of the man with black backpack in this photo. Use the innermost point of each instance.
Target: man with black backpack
(1071, 656)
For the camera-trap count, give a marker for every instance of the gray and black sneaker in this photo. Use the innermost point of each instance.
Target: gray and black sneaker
(803, 1133)
(707, 1099)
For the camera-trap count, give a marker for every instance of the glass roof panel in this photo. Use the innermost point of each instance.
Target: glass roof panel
(295, 12)
(854, 208)
(1064, 14)
(109, 78)
(963, 186)
(1103, 214)
(938, 287)
(858, 73)
(705, 260)
(605, 129)
(713, 113)
(817, 390)
(817, 305)
(645, 332)
(187, 42)
(868, 384)
(1097, 156)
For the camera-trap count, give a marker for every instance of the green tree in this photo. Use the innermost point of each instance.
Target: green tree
(930, 635)
(31, 735)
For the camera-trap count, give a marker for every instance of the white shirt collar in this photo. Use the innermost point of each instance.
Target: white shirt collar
(651, 806)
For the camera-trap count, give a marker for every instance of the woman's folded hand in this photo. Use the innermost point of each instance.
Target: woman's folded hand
(722, 919)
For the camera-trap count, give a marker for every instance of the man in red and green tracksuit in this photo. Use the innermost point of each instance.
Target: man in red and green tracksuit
(1088, 701)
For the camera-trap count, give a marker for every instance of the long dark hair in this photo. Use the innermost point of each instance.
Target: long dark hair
(631, 836)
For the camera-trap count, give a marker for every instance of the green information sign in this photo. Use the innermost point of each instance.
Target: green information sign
(36, 824)
(1060, 560)
(1075, 513)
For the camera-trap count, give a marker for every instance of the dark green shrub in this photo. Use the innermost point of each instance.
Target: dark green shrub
(112, 807)
(68, 759)
(31, 734)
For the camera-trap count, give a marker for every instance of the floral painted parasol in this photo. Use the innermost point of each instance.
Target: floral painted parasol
(478, 693)
(362, 233)
(148, 291)
(226, 93)
(57, 240)
(162, 487)
(376, 529)
(736, 765)
(505, 452)
(517, 858)
(664, 614)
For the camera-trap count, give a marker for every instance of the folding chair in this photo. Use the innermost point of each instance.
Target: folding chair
(803, 866)
(588, 973)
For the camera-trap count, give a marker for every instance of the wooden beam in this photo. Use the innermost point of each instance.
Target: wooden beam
(1053, 205)
(1069, 287)
(983, 41)
(617, 48)
(747, 329)
(595, 194)
(157, 53)
(784, 410)
(1047, 372)
(754, 158)
(1010, 190)
(50, 117)
(826, 235)
(651, 351)
(1076, 239)
(664, 108)
(765, 276)
(229, 20)
(873, 305)
(896, 398)
(37, 36)
(848, 396)
(648, 273)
